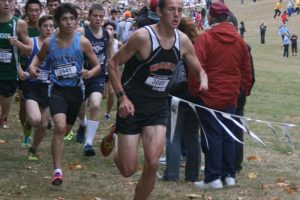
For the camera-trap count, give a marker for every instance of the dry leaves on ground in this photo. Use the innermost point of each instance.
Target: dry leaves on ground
(74, 166)
(282, 184)
(252, 175)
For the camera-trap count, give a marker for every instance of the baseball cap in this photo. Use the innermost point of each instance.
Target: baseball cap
(153, 5)
(217, 9)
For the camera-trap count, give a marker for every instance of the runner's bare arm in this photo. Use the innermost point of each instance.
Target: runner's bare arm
(24, 45)
(135, 44)
(192, 61)
(110, 50)
(89, 53)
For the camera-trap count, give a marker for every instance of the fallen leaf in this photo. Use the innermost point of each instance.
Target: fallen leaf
(251, 158)
(266, 186)
(3, 141)
(97, 198)
(280, 179)
(193, 196)
(275, 198)
(252, 175)
(131, 183)
(207, 198)
(291, 189)
(74, 166)
(23, 187)
(282, 184)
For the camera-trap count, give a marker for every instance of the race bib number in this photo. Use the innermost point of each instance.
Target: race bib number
(157, 83)
(5, 55)
(65, 71)
(44, 75)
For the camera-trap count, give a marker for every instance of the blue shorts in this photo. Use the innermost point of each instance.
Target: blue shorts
(94, 85)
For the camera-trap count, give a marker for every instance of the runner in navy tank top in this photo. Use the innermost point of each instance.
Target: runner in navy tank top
(102, 43)
(150, 56)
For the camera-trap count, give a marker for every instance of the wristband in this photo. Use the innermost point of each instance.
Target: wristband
(120, 94)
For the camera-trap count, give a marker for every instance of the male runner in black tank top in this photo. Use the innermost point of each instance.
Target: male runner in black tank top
(150, 56)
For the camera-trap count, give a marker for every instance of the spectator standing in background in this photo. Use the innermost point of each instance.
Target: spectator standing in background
(294, 39)
(263, 29)
(242, 29)
(286, 43)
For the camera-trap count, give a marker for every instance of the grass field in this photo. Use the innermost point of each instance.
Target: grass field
(270, 173)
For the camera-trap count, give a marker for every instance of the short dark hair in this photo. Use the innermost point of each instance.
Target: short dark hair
(48, 1)
(33, 2)
(45, 18)
(64, 8)
(161, 4)
(113, 11)
(109, 24)
(96, 6)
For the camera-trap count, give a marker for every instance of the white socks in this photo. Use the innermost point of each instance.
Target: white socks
(84, 121)
(91, 130)
(57, 171)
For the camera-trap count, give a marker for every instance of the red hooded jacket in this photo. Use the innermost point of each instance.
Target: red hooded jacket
(225, 58)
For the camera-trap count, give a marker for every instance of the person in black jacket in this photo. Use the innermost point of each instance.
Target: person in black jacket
(262, 28)
(239, 148)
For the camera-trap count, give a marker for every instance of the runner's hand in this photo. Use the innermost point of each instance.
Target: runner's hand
(34, 71)
(85, 74)
(126, 107)
(23, 75)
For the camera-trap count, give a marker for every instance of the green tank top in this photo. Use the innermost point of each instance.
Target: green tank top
(33, 32)
(8, 68)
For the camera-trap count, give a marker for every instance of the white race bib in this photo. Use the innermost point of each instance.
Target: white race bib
(5, 55)
(65, 71)
(157, 83)
(44, 75)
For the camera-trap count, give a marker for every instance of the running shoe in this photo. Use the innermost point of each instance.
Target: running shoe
(107, 117)
(69, 136)
(216, 184)
(88, 150)
(32, 155)
(26, 142)
(57, 179)
(107, 143)
(3, 123)
(80, 135)
(163, 160)
(27, 130)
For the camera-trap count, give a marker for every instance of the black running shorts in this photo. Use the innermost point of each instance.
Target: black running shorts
(66, 100)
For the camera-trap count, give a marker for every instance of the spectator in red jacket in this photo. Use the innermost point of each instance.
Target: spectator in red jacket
(225, 58)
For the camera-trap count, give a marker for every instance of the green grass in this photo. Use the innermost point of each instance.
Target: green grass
(275, 97)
